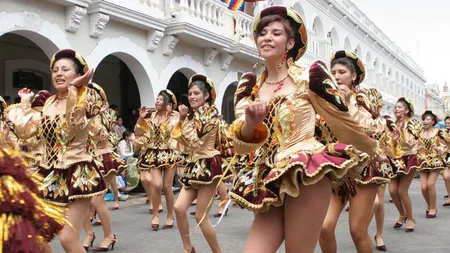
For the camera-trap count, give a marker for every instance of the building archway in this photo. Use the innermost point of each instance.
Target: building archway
(23, 63)
(178, 84)
(120, 85)
(47, 36)
(228, 103)
(333, 37)
(347, 44)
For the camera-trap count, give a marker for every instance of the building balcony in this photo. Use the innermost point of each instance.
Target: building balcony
(207, 24)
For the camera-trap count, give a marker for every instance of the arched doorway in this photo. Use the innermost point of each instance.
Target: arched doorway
(178, 84)
(120, 86)
(228, 103)
(23, 64)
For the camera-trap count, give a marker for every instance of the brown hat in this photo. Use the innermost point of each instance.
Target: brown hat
(359, 66)
(301, 37)
(173, 99)
(210, 84)
(71, 54)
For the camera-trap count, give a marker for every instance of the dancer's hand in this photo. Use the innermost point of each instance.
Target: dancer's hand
(255, 113)
(26, 95)
(84, 79)
(183, 110)
(143, 111)
(395, 135)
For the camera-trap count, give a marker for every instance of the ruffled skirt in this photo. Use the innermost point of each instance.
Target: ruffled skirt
(375, 173)
(204, 172)
(258, 187)
(79, 180)
(403, 165)
(157, 159)
(110, 163)
(431, 164)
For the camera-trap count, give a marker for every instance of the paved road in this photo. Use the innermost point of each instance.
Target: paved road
(132, 225)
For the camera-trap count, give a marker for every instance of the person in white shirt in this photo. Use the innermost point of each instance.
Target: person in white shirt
(125, 147)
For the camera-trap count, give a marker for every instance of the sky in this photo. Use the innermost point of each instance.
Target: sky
(421, 28)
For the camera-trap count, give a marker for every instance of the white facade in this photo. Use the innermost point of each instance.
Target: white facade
(433, 101)
(155, 39)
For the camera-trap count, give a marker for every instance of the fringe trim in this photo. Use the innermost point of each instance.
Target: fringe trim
(75, 197)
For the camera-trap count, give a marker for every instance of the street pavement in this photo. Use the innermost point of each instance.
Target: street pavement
(131, 223)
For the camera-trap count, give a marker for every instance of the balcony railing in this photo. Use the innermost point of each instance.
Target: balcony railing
(207, 14)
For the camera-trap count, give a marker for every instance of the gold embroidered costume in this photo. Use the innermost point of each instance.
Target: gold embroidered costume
(285, 152)
(200, 135)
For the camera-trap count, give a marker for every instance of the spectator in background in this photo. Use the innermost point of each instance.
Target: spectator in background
(125, 147)
(118, 128)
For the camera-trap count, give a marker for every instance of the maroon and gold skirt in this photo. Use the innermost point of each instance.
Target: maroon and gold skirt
(375, 173)
(403, 165)
(79, 180)
(110, 163)
(258, 187)
(429, 164)
(156, 159)
(203, 172)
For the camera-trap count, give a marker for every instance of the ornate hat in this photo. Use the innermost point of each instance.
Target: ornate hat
(301, 38)
(69, 53)
(430, 113)
(408, 104)
(209, 84)
(171, 96)
(359, 66)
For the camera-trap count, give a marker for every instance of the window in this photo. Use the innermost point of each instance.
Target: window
(28, 78)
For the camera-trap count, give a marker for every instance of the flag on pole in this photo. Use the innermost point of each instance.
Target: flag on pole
(235, 5)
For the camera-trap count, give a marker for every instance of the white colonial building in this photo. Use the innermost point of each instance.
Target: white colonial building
(139, 47)
(433, 100)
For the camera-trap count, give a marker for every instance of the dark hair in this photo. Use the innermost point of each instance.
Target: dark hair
(77, 65)
(204, 88)
(407, 105)
(126, 134)
(114, 107)
(166, 99)
(430, 114)
(265, 21)
(345, 62)
(447, 118)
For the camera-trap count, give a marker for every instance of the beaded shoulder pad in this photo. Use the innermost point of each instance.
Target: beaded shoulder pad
(323, 84)
(245, 87)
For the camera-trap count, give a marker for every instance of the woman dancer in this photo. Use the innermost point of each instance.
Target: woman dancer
(447, 161)
(364, 106)
(431, 151)
(71, 178)
(110, 164)
(156, 164)
(378, 207)
(198, 131)
(404, 162)
(287, 179)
